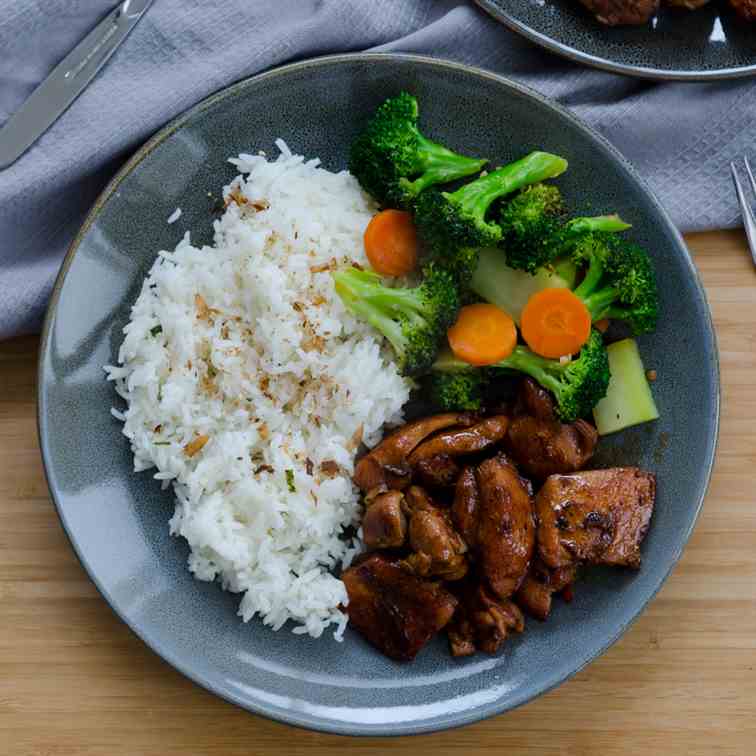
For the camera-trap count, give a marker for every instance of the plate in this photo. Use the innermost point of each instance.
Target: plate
(709, 43)
(118, 521)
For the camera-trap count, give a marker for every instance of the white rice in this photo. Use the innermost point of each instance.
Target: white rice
(174, 216)
(245, 346)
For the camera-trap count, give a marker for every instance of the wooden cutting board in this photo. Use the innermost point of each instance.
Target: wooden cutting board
(74, 680)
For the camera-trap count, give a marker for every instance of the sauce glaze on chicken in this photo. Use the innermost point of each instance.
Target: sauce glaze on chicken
(473, 521)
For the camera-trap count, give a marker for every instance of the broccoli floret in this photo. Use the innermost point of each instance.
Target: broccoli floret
(577, 385)
(529, 223)
(534, 235)
(456, 391)
(453, 225)
(619, 281)
(394, 162)
(414, 320)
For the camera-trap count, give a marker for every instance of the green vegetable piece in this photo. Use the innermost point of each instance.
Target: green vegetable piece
(511, 289)
(394, 162)
(414, 320)
(290, 481)
(453, 225)
(628, 400)
(449, 391)
(577, 385)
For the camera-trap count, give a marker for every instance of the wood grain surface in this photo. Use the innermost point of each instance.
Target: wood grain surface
(74, 680)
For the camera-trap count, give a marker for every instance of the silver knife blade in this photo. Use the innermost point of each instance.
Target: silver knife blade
(67, 81)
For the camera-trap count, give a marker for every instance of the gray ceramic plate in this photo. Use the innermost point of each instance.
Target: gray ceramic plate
(117, 521)
(710, 43)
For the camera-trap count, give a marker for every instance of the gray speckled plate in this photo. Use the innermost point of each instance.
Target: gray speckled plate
(118, 521)
(709, 43)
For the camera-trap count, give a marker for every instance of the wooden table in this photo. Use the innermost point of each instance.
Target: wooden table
(74, 680)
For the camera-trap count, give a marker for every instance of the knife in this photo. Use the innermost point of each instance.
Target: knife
(67, 81)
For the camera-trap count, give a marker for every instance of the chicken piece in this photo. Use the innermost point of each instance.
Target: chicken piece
(397, 612)
(462, 441)
(534, 400)
(622, 12)
(746, 9)
(547, 447)
(386, 464)
(461, 634)
(596, 516)
(464, 511)
(384, 525)
(505, 536)
(437, 472)
(687, 4)
(439, 549)
(482, 622)
(540, 584)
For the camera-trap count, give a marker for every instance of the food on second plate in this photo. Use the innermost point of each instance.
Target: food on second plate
(621, 12)
(635, 12)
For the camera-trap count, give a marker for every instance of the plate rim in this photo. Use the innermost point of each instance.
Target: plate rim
(293, 717)
(606, 64)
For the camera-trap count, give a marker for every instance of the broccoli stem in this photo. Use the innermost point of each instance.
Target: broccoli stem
(477, 196)
(608, 223)
(601, 224)
(599, 304)
(521, 360)
(440, 165)
(373, 315)
(368, 287)
(537, 367)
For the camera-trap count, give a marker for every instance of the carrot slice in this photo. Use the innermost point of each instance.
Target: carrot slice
(555, 323)
(482, 335)
(391, 243)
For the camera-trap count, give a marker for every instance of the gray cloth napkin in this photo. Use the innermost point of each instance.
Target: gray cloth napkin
(679, 136)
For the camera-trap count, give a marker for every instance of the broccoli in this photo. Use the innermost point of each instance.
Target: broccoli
(534, 235)
(577, 385)
(529, 223)
(453, 225)
(414, 320)
(456, 391)
(394, 162)
(619, 281)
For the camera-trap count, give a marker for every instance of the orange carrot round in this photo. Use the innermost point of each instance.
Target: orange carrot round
(391, 243)
(482, 335)
(555, 323)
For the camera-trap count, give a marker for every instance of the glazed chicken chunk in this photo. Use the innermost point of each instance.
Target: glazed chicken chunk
(746, 9)
(539, 444)
(505, 536)
(386, 464)
(461, 441)
(438, 549)
(482, 622)
(622, 12)
(396, 611)
(540, 584)
(384, 525)
(596, 516)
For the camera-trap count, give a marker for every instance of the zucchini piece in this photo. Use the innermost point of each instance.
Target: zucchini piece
(510, 289)
(629, 400)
